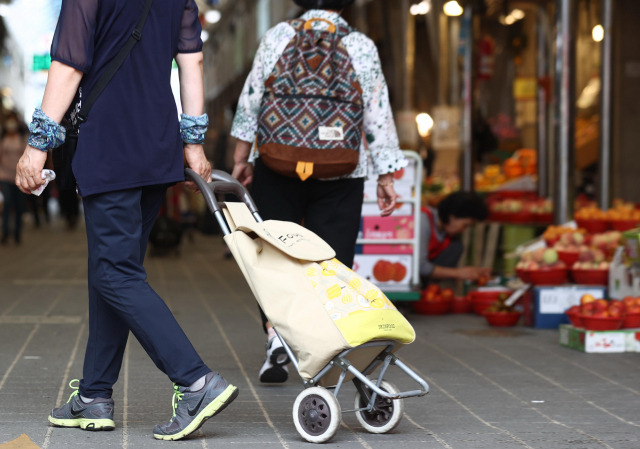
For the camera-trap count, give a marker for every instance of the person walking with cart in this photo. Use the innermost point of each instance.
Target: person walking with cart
(315, 84)
(129, 150)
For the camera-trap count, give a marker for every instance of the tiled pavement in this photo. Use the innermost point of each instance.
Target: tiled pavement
(514, 388)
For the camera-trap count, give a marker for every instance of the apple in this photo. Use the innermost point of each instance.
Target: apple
(600, 305)
(433, 288)
(447, 294)
(616, 308)
(550, 256)
(598, 256)
(578, 238)
(429, 295)
(628, 301)
(586, 298)
(587, 309)
(573, 310)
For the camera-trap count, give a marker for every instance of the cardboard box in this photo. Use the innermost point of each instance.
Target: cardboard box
(623, 340)
(388, 228)
(380, 268)
(544, 306)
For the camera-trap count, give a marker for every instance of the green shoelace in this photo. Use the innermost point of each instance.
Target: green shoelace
(177, 397)
(75, 392)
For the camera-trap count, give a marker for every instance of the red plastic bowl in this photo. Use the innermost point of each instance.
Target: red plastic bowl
(551, 276)
(502, 319)
(592, 323)
(484, 298)
(590, 277)
(594, 226)
(623, 225)
(575, 319)
(631, 321)
(461, 305)
(568, 257)
(432, 307)
(522, 274)
(546, 217)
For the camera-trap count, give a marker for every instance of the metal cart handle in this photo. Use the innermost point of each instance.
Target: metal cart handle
(222, 183)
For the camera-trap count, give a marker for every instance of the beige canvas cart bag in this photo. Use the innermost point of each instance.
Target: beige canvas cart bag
(318, 305)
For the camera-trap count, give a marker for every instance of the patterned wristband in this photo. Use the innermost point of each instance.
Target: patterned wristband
(46, 134)
(192, 128)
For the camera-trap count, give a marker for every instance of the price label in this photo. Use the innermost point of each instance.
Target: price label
(559, 299)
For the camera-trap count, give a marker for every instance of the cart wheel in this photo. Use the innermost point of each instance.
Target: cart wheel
(316, 414)
(386, 413)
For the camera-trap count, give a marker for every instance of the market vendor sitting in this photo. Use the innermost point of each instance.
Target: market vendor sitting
(440, 232)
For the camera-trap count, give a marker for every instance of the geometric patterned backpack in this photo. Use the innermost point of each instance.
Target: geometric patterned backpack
(310, 121)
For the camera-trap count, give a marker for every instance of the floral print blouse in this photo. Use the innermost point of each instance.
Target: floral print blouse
(384, 152)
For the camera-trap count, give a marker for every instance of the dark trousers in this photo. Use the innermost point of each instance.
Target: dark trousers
(14, 201)
(331, 209)
(120, 299)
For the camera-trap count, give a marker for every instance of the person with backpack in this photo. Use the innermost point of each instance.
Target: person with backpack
(130, 148)
(316, 104)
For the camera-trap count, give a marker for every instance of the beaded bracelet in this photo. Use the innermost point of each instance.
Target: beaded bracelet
(46, 133)
(385, 183)
(193, 128)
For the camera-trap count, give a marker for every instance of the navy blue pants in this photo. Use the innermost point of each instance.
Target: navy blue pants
(120, 299)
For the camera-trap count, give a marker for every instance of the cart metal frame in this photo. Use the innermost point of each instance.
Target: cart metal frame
(378, 403)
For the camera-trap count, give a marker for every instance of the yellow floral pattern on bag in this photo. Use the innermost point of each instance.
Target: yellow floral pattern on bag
(344, 291)
(351, 300)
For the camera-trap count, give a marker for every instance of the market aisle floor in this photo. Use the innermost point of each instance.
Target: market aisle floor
(490, 388)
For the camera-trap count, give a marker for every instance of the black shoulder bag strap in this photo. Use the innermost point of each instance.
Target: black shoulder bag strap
(114, 65)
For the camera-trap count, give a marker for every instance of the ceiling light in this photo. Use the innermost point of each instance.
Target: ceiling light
(452, 8)
(597, 33)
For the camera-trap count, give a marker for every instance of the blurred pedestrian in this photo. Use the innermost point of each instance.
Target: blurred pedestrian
(12, 142)
(329, 207)
(129, 150)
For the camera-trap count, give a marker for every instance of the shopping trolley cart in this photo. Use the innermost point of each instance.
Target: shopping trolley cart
(378, 404)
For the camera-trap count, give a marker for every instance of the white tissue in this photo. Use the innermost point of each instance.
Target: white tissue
(48, 176)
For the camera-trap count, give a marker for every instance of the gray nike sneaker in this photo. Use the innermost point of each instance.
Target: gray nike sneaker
(192, 408)
(96, 415)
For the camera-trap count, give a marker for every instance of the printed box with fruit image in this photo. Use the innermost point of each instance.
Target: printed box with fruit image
(624, 340)
(384, 270)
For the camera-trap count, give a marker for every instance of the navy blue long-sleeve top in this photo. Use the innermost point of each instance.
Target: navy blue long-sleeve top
(132, 137)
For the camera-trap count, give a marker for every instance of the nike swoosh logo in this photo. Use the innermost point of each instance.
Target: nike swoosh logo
(193, 411)
(74, 411)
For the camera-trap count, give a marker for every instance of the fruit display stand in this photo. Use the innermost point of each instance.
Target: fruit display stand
(388, 247)
(545, 306)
